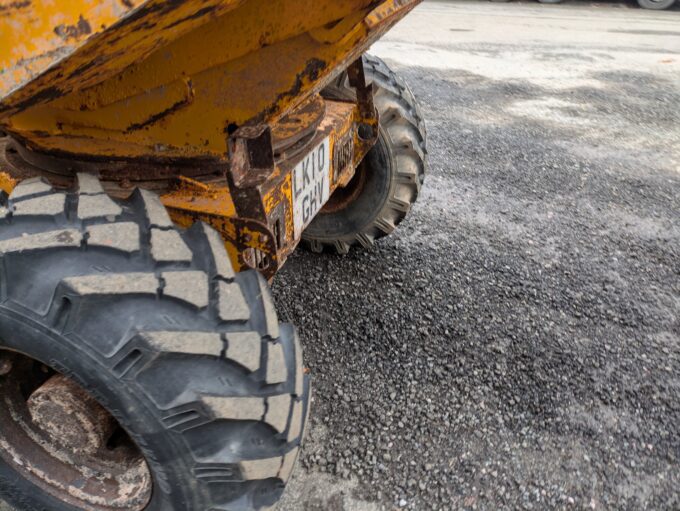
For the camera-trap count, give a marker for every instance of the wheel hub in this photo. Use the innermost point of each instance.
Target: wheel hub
(70, 416)
(56, 435)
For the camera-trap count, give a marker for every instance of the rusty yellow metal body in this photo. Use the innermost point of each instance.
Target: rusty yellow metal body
(210, 102)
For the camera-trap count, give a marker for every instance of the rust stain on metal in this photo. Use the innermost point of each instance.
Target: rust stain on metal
(168, 111)
(267, 65)
(137, 92)
(76, 31)
(11, 6)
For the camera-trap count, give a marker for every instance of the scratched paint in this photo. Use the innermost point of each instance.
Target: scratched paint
(166, 85)
(179, 95)
(35, 34)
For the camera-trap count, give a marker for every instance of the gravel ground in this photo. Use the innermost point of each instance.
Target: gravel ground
(516, 343)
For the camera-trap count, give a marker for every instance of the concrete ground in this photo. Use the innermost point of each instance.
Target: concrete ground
(516, 343)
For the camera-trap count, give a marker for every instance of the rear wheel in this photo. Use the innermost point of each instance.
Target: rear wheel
(388, 180)
(137, 371)
(657, 5)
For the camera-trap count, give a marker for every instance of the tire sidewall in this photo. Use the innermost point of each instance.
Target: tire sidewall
(162, 452)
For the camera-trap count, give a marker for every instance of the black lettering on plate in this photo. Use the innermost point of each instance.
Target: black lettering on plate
(305, 174)
(322, 157)
(305, 209)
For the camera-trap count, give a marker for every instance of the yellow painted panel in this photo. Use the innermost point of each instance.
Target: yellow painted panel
(246, 62)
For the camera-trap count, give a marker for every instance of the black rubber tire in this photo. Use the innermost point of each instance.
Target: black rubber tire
(153, 322)
(396, 166)
(659, 5)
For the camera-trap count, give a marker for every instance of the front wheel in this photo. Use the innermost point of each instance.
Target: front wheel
(137, 371)
(388, 180)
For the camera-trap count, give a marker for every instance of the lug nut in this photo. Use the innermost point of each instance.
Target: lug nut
(5, 366)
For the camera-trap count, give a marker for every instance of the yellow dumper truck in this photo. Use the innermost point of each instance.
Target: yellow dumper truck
(159, 161)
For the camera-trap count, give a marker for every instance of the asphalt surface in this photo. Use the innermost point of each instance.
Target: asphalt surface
(516, 343)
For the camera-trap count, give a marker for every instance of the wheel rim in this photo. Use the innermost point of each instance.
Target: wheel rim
(61, 439)
(344, 197)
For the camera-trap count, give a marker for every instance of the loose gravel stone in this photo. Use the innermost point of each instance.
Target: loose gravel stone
(515, 343)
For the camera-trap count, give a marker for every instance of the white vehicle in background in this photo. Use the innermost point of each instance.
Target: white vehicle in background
(657, 5)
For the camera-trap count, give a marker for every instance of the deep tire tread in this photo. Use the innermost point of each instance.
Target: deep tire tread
(403, 124)
(131, 274)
